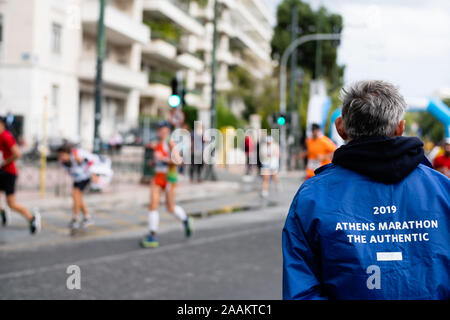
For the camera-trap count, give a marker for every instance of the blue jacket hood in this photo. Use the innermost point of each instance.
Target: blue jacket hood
(384, 159)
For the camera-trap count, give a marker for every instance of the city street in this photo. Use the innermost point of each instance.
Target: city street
(235, 252)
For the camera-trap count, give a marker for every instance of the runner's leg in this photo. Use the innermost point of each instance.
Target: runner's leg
(178, 211)
(153, 214)
(76, 202)
(12, 203)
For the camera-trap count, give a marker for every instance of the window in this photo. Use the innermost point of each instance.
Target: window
(56, 38)
(55, 95)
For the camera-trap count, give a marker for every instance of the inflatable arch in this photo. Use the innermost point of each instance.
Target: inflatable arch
(433, 105)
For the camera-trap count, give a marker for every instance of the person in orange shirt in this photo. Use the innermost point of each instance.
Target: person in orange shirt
(319, 151)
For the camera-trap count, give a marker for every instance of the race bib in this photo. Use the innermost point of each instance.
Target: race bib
(314, 164)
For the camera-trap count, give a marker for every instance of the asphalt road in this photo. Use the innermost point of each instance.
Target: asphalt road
(231, 256)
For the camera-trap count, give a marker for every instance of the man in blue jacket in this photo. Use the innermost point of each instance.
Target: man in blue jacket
(373, 224)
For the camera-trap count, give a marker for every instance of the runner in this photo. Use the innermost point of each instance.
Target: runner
(165, 179)
(8, 178)
(270, 163)
(442, 163)
(319, 152)
(78, 162)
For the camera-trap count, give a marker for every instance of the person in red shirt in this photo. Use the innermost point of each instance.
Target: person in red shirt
(8, 177)
(442, 163)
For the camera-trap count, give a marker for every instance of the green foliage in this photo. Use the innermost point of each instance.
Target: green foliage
(201, 3)
(308, 24)
(244, 85)
(164, 30)
(190, 115)
(224, 115)
(432, 129)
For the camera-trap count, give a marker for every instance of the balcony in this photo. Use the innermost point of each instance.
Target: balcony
(162, 52)
(226, 28)
(253, 46)
(262, 28)
(177, 12)
(113, 74)
(237, 59)
(204, 78)
(156, 91)
(189, 61)
(225, 56)
(158, 86)
(224, 85)
(120, 28)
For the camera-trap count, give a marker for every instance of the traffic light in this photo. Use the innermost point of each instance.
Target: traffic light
(281, 119)
(175, 99)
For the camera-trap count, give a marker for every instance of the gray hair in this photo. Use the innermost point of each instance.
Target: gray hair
(372, 108)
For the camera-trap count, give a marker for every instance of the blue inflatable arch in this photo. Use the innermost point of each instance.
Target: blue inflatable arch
(433, 105)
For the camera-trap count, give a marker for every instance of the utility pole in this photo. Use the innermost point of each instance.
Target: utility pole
(294, 61)
(98, 79)
(210, 174)
(294, 58)
(214, 66)
(318, 67)
(283, 81)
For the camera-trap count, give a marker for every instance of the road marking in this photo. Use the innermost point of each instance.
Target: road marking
(389, 256)
(136, 253)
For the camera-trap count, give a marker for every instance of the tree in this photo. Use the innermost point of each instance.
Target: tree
(430, 127)
(310, 22)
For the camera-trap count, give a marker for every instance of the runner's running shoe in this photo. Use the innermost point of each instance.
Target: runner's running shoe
(188, 227)
(87, 222)
(35, 223)
(4, 217)
(73, 224)
(149, 242)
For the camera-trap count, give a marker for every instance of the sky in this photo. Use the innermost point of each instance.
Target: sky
(406, 42)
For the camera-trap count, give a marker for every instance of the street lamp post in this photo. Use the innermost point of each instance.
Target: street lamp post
(98, 78)
(210, 174)
(283, 70)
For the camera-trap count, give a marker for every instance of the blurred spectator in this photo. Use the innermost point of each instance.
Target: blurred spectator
(115, 143)
(442, 163)
(270, 163)
(249, 151)
(197, 147)
(361, 227)
(319, 150)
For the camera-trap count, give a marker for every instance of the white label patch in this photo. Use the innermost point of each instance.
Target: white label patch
(389, 256)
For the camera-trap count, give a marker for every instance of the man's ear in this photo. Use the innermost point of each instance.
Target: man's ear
(400, 128)
(339, 123)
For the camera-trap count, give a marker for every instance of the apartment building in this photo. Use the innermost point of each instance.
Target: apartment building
(48, 59)
(244, 34)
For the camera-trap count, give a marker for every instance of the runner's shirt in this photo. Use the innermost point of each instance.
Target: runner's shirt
(81, 171)
(163, 171)
(7, 142)
(316, 148)
(441, 161)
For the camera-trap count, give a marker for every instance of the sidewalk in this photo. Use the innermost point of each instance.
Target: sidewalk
(120, 209)
(137, 194)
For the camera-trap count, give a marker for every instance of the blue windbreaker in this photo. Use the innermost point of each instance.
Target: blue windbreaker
(349, 236)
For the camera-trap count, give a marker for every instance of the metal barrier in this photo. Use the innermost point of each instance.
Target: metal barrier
(127, 165)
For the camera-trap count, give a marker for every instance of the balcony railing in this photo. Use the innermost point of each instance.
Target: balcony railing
(176, 11)
(160, 77)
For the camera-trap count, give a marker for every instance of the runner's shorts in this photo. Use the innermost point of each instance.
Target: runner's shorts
(160, 179)
(7, 182)
(81, 185)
